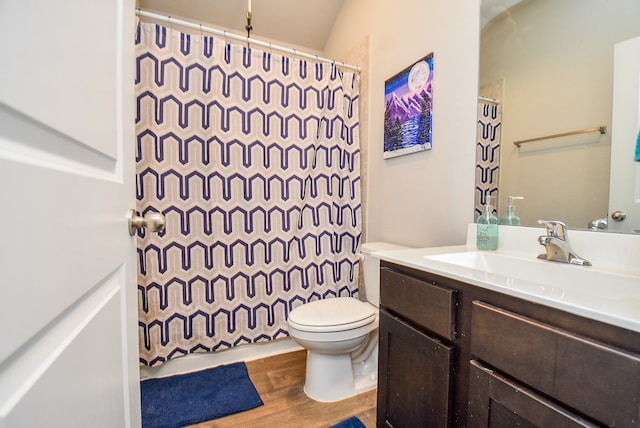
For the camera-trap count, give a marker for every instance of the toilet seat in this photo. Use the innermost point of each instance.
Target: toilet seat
(332, 315)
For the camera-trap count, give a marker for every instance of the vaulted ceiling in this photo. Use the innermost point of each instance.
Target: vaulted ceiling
(305, 23)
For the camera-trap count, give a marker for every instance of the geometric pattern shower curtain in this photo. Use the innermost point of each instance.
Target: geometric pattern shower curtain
(489, 133)
(254, 160)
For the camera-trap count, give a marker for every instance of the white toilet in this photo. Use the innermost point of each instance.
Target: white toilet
(341, 336)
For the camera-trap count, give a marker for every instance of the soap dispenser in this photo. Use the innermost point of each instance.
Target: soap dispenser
(510, 217)
(487, 228)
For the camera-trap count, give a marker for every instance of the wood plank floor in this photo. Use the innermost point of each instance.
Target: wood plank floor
(279, 381)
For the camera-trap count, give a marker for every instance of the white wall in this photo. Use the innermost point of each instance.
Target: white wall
(426, 198)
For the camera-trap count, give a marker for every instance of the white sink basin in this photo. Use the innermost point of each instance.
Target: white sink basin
(599, 294)
(497, 263)
(554, 277)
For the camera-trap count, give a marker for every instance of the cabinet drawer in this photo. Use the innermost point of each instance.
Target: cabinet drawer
(586, 375)
(425, 304)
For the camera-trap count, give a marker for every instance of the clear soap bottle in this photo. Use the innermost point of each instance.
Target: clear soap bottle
(487, 228)
(510, 217)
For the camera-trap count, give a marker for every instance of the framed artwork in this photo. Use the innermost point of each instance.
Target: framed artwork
(408, 100)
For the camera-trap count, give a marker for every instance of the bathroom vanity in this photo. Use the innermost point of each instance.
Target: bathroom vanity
(465, 346)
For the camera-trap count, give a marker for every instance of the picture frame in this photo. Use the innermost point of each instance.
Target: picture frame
(408, 109)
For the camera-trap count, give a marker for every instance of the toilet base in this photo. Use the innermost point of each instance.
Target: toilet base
(334, 377)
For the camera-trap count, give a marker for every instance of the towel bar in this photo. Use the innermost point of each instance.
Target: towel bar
(601, 130)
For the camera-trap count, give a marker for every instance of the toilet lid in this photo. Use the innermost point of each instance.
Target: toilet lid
(332, 314)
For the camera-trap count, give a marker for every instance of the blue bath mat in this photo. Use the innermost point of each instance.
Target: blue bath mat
(352, 422)
(196, 397)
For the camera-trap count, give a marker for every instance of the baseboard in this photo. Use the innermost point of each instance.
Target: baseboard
(201, 361)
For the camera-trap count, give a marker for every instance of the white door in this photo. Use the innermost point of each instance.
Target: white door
(68, 329)
(624, 191)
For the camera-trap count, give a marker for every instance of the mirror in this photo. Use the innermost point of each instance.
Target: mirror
(549, 64)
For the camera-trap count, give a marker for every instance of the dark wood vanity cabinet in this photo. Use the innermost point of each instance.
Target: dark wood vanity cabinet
(454, 354)
(416, 354)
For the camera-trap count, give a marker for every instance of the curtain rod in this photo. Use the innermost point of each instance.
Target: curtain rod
(488, 100)
(232, 36)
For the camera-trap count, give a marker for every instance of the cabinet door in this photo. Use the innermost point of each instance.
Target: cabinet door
(414, 386)
(496, 401)
(594, 378)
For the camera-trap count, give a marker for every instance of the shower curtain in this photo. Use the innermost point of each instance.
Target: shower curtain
(254, 160)
(487, 154)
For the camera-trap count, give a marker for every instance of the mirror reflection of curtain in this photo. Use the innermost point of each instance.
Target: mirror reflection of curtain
(487, 154)
(254, 160)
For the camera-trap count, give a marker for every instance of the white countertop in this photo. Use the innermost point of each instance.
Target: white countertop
(604, 294)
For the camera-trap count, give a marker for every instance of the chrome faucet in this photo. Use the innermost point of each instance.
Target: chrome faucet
(556, 243)
(598, 224)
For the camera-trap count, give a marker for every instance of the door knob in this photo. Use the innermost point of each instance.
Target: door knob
(618, 215)
(153, 221)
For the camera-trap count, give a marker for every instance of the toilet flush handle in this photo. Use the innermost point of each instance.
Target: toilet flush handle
(153, 221)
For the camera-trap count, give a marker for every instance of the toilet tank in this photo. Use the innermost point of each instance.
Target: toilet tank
(371, 268)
